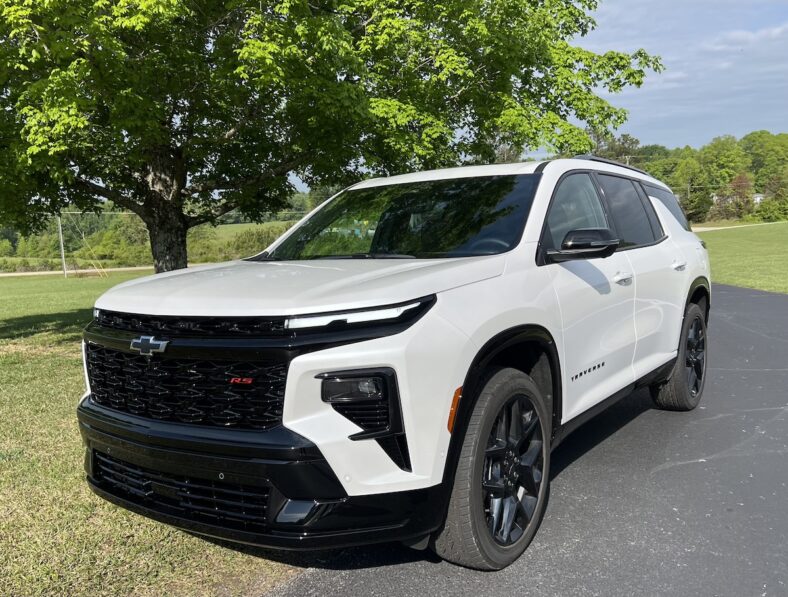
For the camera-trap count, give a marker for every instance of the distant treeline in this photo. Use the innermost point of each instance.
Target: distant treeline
(728, 178)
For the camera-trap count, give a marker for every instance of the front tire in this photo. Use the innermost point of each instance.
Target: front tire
(684, 389)
(502, 477)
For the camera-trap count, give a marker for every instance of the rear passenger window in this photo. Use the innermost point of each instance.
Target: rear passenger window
(575, 205)
(670, 201)
(627, 211)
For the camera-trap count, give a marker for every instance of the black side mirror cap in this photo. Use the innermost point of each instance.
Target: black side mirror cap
(584, 243)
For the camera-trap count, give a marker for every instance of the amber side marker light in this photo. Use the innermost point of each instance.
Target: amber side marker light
(453, 412)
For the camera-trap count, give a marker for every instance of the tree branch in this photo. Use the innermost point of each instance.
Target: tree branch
(110, 195)
(213, 184)
(208, 217)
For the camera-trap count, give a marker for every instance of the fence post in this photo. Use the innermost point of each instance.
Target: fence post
(62, 252)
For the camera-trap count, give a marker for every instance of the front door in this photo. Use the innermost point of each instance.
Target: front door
(596, 298)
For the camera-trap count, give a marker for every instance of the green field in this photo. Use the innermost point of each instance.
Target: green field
(750, 256)
(56, 537)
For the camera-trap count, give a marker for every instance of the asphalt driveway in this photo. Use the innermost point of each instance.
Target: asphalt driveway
(643, 502)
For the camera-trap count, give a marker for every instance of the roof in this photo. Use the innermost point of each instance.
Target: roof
(580, 163)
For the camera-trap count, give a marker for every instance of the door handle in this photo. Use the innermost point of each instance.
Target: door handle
(679, 266)
(623, 278)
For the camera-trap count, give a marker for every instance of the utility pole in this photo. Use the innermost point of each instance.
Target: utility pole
(62, 252)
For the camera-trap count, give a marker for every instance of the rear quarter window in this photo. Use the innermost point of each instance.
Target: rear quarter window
(670, 201)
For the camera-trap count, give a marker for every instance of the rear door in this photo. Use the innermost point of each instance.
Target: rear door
(595, 298)
(657, 266)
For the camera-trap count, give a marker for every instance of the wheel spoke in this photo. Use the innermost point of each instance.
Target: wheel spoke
(533, 452)
(531, 427)
(528, 478)
(502, 431)
(495, 515)
(692, 379)
(509, 512)
(515, 422)
(528, 504)
(698, 368)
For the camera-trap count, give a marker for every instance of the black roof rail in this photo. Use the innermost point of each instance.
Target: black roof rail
(594, 158)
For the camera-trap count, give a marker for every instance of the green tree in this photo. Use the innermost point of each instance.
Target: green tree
(690, 183)
(722, 160)
(767, 153)
(183, 111)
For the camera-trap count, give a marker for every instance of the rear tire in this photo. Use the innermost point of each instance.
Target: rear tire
(501, 482)
(684, 388)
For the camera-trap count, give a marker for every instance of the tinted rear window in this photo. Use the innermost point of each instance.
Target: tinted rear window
(627, 210)
(670, 201)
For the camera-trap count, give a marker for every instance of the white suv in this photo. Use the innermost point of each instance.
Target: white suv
(400, 364)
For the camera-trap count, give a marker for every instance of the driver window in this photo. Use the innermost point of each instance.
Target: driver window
(575, 205)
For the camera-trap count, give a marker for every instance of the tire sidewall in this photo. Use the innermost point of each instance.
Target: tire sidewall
(499, 389)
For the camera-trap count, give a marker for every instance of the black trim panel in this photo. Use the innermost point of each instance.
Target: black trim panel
(355, 521)
(307, 506)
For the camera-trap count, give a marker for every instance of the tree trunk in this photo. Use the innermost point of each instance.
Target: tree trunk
(167, 230)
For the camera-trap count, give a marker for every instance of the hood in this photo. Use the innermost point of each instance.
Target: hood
(248, 288)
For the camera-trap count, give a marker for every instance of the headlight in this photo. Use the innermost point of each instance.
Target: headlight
(385, 315)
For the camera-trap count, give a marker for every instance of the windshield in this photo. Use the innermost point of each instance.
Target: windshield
(459, 217)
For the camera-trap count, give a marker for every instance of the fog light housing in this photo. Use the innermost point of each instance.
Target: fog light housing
(370, 399)
(353, 389)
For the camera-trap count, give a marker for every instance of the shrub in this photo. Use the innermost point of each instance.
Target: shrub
(772, 210)
(6, 248)
(253, 241)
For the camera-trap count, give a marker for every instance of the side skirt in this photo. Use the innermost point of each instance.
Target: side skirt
(658, 375)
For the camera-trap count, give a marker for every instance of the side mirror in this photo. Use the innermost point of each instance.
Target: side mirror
(584, 243)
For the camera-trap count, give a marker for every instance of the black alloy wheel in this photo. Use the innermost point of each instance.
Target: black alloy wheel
(695, 356)
(683, 388)
(502, 475)
(513, 471)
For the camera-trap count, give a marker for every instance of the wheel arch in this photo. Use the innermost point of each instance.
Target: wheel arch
(530, 348)
(699, 290)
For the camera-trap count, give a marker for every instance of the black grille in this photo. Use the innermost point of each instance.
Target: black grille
(198, 392)
(227, 327)
(223, 504)
(370, 415)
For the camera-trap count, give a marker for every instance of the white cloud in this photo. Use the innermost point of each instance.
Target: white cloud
(741, 38)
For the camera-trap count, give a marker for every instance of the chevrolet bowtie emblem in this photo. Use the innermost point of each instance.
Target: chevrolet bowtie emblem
(147, 345)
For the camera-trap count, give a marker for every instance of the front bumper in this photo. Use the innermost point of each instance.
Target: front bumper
(210, 481)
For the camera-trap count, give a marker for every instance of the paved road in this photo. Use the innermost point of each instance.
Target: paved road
(643, 502)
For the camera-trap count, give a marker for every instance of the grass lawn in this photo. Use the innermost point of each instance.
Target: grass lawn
(56, 537)
(752, 257)
(721, 224)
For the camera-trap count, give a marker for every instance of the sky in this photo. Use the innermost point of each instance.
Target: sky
(726, 66)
